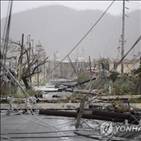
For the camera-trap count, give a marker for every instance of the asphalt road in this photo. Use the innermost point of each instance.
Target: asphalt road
(28, 127)
(38, 128)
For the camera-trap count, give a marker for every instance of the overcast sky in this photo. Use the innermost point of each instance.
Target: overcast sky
(116, 8)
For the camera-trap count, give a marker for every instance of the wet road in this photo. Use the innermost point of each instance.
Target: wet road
(38, 127)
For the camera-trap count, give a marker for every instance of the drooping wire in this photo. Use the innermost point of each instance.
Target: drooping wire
(7, 31)
(117, 64)
(112, 35)
(130, 66)
(81, 39)
(122, 58)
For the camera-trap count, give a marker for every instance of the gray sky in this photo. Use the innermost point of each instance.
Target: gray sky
(116, 9)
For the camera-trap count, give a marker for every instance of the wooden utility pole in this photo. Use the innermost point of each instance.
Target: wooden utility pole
(122, 47)
(91, 46)
(20, 63)
(90, 66)
(80, 112)
(29, 57)
(9, 87)
(44, 53)
(38, 49)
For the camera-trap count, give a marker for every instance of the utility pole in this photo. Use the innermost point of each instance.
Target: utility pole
(38, 49)
(44, 54)
(83, 58)
(122, 47)
(91, 46)
(20, 63)
(90, 66)
(29, 57)
(80, 113)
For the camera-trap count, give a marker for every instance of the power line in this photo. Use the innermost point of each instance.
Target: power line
(116, 27)
(7, 30)
(82, 38)
(121, 59)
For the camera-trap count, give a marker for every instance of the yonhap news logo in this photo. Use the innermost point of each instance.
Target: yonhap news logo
(108, 129)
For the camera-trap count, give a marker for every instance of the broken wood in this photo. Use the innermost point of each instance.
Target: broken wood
(80, 112)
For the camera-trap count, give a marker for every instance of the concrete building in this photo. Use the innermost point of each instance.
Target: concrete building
(128, 65)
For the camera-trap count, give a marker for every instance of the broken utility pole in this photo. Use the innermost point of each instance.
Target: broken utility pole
(80, 112)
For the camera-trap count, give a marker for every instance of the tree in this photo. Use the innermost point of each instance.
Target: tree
(113, 76)
(30, 61)
(83, 76)
(137, 73)
(105, 61)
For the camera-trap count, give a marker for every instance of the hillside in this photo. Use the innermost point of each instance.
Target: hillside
(61, 28)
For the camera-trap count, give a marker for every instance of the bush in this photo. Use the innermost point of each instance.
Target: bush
(83, 77)
(123, 86)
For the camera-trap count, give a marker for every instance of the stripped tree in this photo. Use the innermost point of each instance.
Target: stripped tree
(30, 64)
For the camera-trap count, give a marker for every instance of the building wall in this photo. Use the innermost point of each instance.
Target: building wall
(128, 66)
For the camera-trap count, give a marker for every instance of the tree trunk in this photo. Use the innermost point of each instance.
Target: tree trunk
(25, 82)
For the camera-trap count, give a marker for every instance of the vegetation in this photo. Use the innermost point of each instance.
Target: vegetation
(85, 75)
(137, 78)
(114, 75)
(103, 61)
(120, 106)
(43, 83)
(121, 84)
(19, 95)
(29, 62)
(135, 100)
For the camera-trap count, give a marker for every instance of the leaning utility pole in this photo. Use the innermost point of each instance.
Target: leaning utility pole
(38, 49)
(122, 47)
(20, 64)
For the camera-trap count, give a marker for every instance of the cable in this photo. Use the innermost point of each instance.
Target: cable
(81, 39)
(122, 58)
(65, 124)
(14, 129)
(36, 118)
(130, 67)
(112, 34)
(39, 120)
(6, 119)
(89, 125)
(6, 33)
(46, 132)
(11, 75)
(5, 137)
(134, 118)
(104, 82)
(40, 137)
(88, 135)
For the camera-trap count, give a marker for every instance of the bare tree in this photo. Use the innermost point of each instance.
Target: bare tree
(30, 61)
